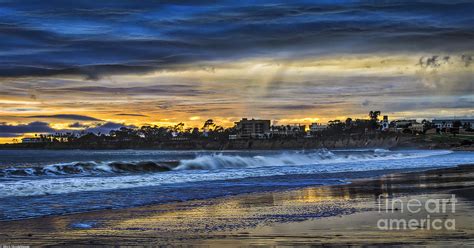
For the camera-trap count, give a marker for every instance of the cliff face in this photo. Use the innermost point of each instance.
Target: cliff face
(301, 143)
(337, 142)
(385, 142)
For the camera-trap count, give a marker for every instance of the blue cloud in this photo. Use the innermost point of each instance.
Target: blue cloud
(95, 38)
(7, 130)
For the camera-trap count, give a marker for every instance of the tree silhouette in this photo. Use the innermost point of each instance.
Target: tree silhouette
(208, 125)
(374, 119)
(374, 115)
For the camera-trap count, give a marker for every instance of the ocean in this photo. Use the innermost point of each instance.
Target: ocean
(35, 183)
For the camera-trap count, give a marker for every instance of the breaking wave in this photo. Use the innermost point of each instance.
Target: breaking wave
(89, 168)
(222, 161)
(215, 161)
(205, 167)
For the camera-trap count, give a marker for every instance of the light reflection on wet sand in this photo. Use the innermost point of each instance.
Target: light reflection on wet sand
(344, 214)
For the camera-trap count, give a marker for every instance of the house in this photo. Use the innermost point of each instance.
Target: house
(403, 123)
(317, 127)
(288, 130)
(449, 123)
(440, 124)
(252, 129)
(417, 127)
(384, 124)
(31, 140)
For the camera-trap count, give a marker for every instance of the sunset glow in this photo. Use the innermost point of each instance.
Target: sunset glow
(78, 70)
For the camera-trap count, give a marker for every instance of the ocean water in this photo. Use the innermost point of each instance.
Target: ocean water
(36, 183)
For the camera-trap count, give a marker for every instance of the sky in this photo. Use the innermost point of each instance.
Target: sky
(98, 65)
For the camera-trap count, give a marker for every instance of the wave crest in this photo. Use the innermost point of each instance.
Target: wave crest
(90, 168)
(222, 161)
(215, 161)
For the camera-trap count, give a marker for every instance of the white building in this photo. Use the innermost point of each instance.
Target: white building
(252, 129)
(288, 130)
(384, 124)
(449, 123)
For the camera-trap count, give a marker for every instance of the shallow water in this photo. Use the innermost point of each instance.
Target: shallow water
(36, 183)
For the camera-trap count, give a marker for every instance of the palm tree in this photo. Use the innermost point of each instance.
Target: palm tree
(374, 119)
(374, 115)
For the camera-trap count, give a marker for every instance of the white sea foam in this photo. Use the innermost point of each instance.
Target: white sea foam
(223, 166)
(223, 161)
(87, 168)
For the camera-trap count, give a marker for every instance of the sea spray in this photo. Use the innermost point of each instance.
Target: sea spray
(323, 156)
(211, 161)
(216, 167)
(89, 168)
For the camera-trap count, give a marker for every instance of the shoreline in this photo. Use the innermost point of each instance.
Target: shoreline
(397, 147)
(250, 219)
(388, 141)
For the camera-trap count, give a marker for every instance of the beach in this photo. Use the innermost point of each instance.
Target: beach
(236, 123)
(335, 215)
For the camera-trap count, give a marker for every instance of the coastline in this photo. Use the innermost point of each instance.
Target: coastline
(387, 141)
(334, 215)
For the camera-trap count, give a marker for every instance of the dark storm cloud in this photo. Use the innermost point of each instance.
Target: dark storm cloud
(78, 125)
(165, 89)
(105, 128)
(65, 117)
(96, 38)
(8, 130)
(137, 115)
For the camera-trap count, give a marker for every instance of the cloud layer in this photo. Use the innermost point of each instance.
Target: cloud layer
(92, 39)
(7, 130)
(38, 127)
(65, 117)
(77, 64)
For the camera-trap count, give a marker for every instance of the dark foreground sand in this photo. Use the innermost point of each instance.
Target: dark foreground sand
(333, 215)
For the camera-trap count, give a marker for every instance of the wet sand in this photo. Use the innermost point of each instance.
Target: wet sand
(332, 215)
